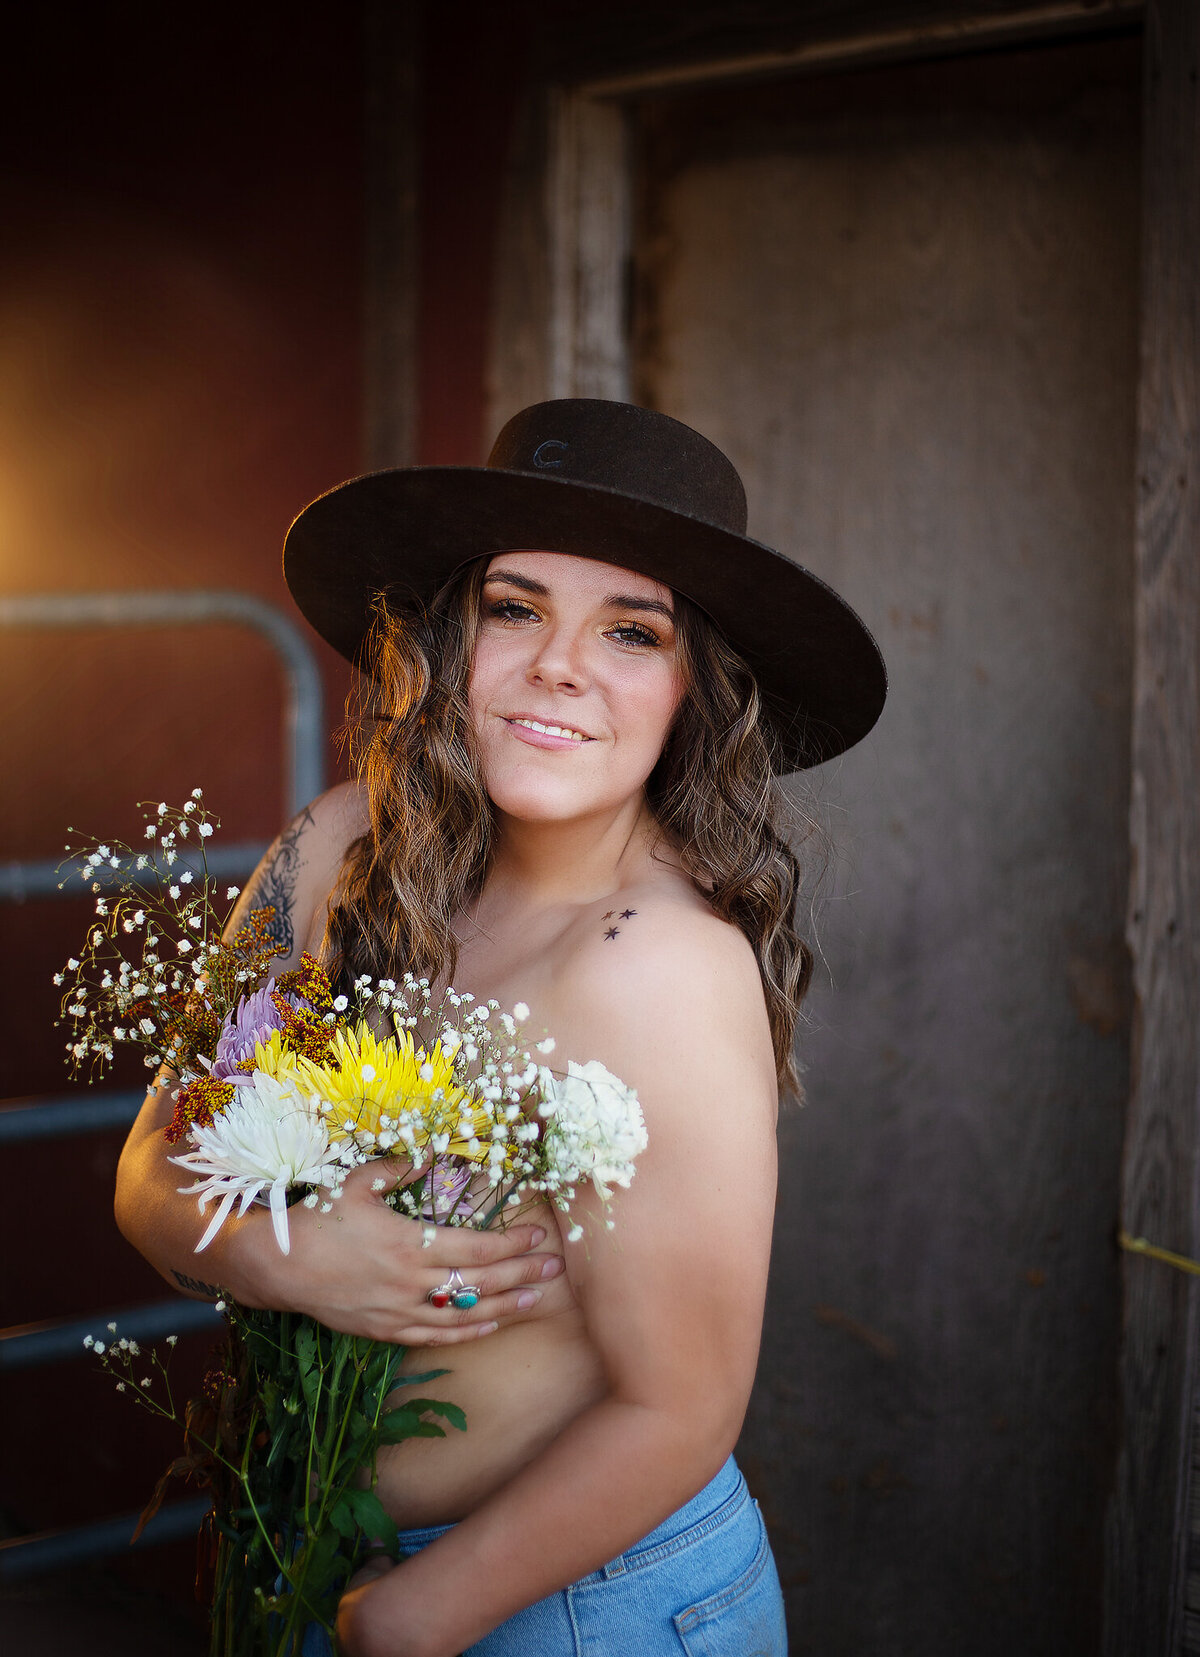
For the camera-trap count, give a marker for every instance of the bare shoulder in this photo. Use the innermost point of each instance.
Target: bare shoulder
(301, 868)
(665, 937)
(660, 987)
(335, 820)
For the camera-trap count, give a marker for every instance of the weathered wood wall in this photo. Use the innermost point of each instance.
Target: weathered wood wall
(1149, 1520)
(905, 302)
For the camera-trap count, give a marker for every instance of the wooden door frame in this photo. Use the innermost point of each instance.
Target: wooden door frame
(559, 329)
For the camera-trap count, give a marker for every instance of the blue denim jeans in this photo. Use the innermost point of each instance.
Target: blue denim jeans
(702, 1584)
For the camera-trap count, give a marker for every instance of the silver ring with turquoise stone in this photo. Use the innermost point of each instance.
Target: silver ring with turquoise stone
(454, 1292)
(465, 1295)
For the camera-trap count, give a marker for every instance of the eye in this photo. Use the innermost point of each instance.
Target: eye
(633, 632)
(511, 610)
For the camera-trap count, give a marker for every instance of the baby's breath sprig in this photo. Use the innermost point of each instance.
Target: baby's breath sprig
(154, 971)
(135, 1371)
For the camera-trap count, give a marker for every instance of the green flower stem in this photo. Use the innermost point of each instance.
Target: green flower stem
(1139, 1245)
(290, 1449)
(244, 1476)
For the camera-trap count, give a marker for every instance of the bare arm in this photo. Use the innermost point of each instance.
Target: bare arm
(327, 1272)
(673, 1301)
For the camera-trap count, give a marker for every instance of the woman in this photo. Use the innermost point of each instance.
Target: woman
(565, 801)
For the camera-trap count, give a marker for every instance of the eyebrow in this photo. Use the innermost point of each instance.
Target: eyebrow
(613, 601)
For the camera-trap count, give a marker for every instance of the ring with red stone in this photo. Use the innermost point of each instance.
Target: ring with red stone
(454, 1292)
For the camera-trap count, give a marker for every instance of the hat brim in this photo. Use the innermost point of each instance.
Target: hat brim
(406, 531)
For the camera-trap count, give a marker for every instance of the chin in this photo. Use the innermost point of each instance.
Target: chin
(529, 796)
(541, 804)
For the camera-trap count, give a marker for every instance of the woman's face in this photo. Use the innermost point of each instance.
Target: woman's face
(574, 683)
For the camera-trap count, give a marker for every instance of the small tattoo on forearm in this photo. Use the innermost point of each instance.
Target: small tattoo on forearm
(195, 1285)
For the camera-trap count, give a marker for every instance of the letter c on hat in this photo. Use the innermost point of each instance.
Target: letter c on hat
(542, 455)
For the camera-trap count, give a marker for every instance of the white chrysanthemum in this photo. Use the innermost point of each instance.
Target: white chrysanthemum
(269, 1135)
(595, 1128)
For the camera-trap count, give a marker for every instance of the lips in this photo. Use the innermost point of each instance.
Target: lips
(526, 724)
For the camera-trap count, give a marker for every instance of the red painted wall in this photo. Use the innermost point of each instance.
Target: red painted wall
(180, 369)
(473, 61)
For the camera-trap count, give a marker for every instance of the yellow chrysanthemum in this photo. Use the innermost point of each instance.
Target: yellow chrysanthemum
(274, 1057)
(391, 1093)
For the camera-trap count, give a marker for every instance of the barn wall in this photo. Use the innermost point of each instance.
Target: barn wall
(905, 302)
(180, 325)
(817, 433)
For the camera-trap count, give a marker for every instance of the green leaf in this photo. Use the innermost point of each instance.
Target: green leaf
(312, 1567)
(451, 1412)
(341, 1517)
(374, 1521)
(420, 1380)
(397, 1425)
(305, 1346)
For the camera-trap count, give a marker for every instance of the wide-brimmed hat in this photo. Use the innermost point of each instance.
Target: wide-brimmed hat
(624, 485)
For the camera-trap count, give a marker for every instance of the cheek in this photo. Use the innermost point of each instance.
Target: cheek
(657, 707)
(483, 677)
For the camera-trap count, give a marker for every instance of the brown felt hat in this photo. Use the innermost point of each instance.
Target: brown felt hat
(624, 485)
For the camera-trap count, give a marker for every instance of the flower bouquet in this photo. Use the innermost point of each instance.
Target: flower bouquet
(280, 1087)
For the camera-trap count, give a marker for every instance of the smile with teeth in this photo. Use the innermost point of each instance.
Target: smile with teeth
(551, 730)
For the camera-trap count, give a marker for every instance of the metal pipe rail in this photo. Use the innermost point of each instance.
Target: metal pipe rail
(43, 878)
(55, 1118)
(54, 1550)
(58, 1340)
(29, 1345)
(303, 719)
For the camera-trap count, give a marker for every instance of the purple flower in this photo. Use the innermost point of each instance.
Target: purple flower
(254, 1019)
(447, 1182)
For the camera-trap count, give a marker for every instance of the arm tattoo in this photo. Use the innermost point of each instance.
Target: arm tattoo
(276, 885)
(210, 1290)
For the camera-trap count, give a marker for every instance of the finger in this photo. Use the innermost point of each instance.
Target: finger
(514, 1304)
(461, 1246)
(528, 1273)
(446, 1335)
(511, 1274)
(379, 1564)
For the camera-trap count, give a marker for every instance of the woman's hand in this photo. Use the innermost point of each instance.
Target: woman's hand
(365, 1269)
(372, 1620)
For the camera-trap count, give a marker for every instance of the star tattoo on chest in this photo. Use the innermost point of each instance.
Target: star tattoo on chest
(615, 931)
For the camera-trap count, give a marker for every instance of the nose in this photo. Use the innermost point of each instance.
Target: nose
(558, 662)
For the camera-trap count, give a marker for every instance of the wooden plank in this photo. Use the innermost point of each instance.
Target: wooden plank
(588, 217)
(871, 39)
(665, 43)
(518, 345)
(1147, 1540)
(1191, 1598)
(390, 321)
(559, 326)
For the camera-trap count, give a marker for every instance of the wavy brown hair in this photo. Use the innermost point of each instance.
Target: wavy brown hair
(429, 846)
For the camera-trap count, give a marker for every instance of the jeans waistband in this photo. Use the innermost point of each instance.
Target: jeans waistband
(703, 1505)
